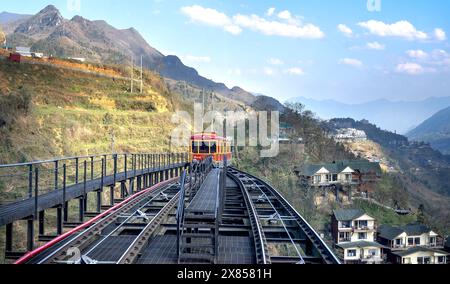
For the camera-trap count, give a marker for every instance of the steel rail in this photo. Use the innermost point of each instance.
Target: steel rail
(261, 249)
(87, 235)
(302, 261)
(132, 253)
(131, 216)
(114, 209)
(329, 256)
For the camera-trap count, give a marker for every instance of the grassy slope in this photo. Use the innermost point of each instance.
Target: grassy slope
(74, 113)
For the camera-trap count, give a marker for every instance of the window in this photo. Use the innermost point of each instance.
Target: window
(362, 224)
(373, 252)
(348, 177)
(345, 224)
(204, 147)
(334, 177)
(410, 241)
(441, 259)
(213, 147)
(432, 241)
(417, 241)
(351, 253)
(406, 260)
(317, 179)
(398, 242)
(195, 147)
(362, 236)
(420, 260)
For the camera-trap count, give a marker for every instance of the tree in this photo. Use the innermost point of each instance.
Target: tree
(421, 214)
(2, 37)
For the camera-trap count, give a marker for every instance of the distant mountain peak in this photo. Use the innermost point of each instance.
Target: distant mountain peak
(42, 22)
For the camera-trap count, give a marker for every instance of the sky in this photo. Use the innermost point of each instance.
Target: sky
(351, 51)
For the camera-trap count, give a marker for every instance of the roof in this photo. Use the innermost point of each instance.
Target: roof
(360, 244)
(348, 214)
(207, 136)
(337, 167)
(390, 232)
(417, 249)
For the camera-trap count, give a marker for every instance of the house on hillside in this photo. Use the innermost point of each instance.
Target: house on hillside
(24, 51)
(419, 255)
(350, 175)
(413, 235)
(345, 135)
(354, 234)
(412, 244)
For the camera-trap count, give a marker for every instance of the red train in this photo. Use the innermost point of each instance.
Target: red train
(204, 145)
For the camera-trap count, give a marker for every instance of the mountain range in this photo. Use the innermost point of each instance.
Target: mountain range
(395, 116)
(49, 32)
(435, 130)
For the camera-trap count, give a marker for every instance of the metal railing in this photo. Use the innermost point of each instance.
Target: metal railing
(199, 170)
(30, 181)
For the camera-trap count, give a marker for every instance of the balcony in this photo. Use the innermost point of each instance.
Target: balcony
(364, 228)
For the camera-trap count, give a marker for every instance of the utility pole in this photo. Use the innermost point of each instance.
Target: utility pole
(132, 72)
(142, 84)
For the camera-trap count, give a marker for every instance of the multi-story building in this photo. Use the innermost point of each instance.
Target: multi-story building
(354, 234)
(412, 244)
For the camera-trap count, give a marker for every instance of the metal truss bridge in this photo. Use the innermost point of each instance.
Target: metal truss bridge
(151, 209)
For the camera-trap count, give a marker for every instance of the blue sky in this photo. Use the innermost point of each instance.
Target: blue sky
(318, 49)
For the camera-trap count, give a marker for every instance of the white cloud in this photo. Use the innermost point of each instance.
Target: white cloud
(269, 71)
(275, 61)
(295, 71)
(440, 35)
(375, 46)
(345, 30)
(403, 29)
(285, 15)
(270, 11)
(196, 59)
(418, 54)
(289, 27)
(351, 62)
(211, 17)
(410, 68)
(275, 28)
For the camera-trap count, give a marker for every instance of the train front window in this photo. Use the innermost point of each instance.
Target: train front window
(195, 147)
(213, 147)
(204, 147)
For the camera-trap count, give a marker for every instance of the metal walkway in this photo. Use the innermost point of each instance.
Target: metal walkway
(205, 199)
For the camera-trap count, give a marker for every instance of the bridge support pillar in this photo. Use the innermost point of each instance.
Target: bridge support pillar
(81, 209)
(99, 200)
(111, 195)
(139, 179)
(85, 199)
(59, 221)
(66, 211)
(131, 186)
(9, 238)
(41, 223)
(30, 234)
(123, 189)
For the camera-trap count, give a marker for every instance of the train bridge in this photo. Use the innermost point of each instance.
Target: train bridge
(151, 209)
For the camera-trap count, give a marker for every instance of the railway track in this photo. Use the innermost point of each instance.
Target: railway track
(279, 223)
(254, 224)
(104, 240)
